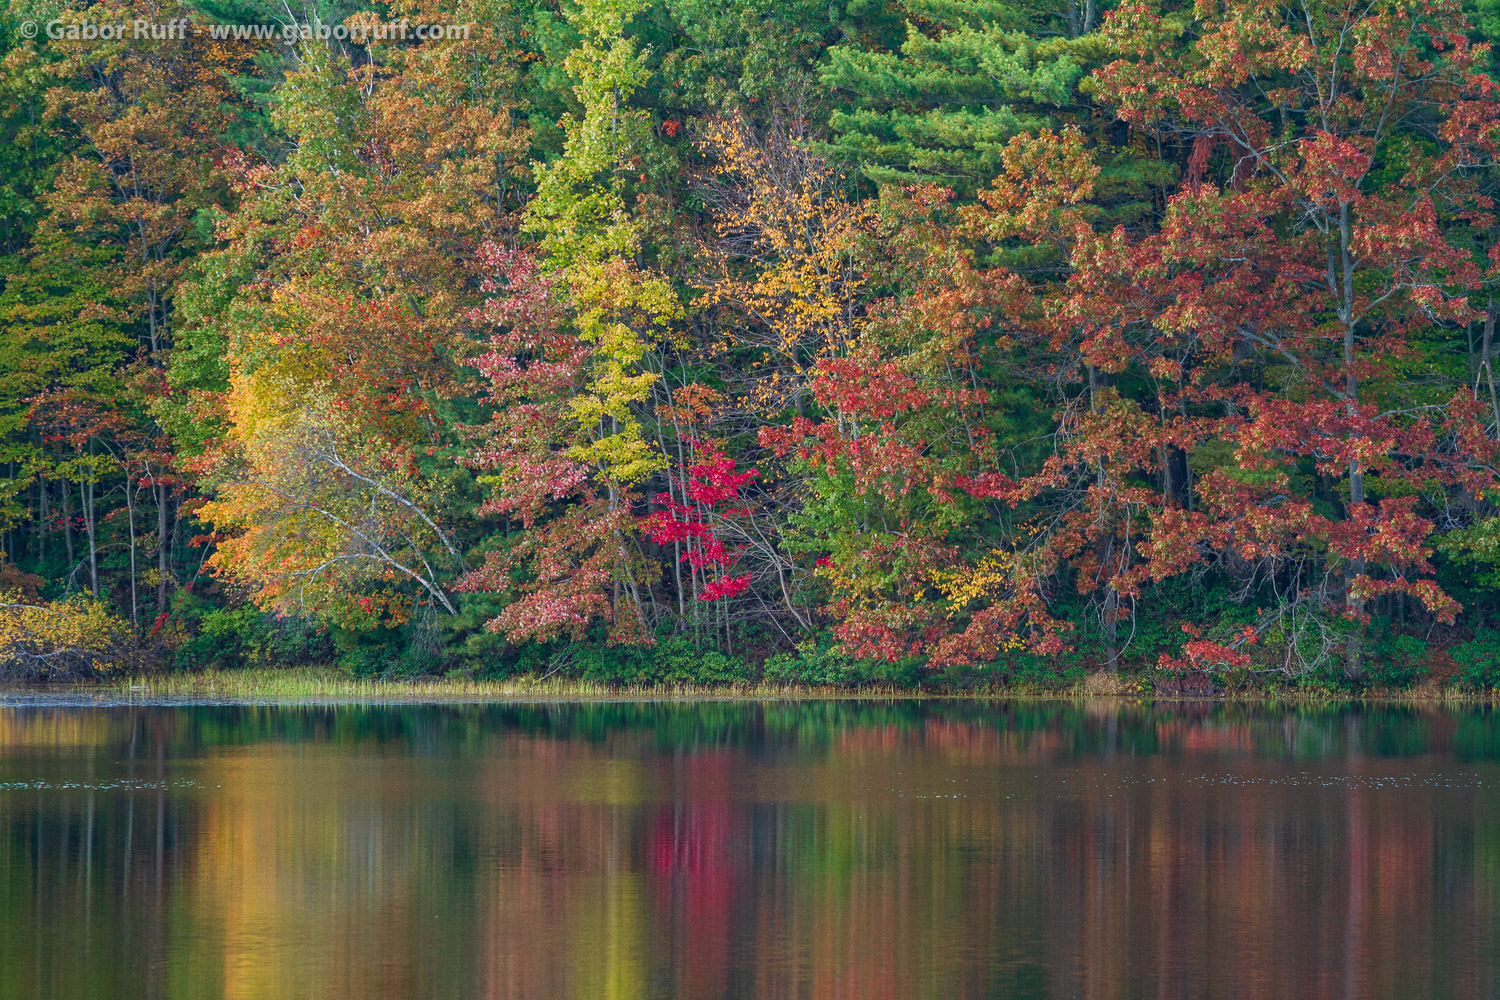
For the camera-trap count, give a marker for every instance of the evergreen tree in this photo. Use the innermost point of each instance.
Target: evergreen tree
(942, 107)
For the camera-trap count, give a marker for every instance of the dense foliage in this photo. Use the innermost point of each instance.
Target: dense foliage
(673, 341)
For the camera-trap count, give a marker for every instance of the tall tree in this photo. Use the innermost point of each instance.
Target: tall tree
(578, 377)
(1269, 328)
(942, 105)
(342, 305)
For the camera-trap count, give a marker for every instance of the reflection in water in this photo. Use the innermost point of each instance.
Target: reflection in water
(860, 850)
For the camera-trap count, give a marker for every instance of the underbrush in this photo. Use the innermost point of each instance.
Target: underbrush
(203, 649)
(316, 684)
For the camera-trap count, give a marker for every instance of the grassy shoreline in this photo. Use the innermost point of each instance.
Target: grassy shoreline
(330, 685)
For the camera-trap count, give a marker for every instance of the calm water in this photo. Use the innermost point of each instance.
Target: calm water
(748, 850)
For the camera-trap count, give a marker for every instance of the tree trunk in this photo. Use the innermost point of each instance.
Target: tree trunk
(1111, 629)
(176, 535)
(1105, 551)
(135, 615)
(41, 522)
(67, 515)
(163, 547)
(86, 497)
(1486, 344)
(1353, 604)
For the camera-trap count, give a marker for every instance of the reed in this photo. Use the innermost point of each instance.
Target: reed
(327, 684)
(301, 684)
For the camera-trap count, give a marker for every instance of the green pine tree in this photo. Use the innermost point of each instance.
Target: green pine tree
(968, 78)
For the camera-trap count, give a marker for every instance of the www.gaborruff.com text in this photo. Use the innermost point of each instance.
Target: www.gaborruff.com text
(182, 28)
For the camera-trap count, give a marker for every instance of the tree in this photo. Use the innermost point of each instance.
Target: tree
(135, 126)
(1266, 330)
(73, 637)
(941, 107)
(320, 516)
(567, 368)
(784, 261)
(902, 455)
(150, 120)
(328, 334)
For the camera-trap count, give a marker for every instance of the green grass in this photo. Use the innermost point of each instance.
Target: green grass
(304, 684)
(327, 684)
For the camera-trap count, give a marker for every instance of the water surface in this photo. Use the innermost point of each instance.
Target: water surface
(748, 850)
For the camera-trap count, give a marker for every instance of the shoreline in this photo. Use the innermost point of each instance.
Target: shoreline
(327, 686)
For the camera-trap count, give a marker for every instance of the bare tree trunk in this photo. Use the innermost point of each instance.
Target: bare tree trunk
(786, 593)
(697, 607)
(135, 616)
(1166, 474)
(1355, 605)
(1486, 343)
(67, 514)
(86, 497)
(1110, 627)
(163, 547)
(176, 535)
(682, 471)
(1105, 550)
(630, 588)
(151, 318)
(661, 443)
(41, 522)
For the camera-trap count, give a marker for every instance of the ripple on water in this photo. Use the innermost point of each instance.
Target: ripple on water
(118, 785)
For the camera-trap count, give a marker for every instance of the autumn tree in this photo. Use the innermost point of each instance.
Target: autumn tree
(150, 116)
(783, 263)
(1245, 394)
(71, 638)
(915, 560)
(137, 124)
(568, 367)
(329, 334)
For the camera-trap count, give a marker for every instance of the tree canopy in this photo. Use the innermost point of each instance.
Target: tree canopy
(923, 338)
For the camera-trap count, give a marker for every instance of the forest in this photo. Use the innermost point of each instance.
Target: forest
(936, 342)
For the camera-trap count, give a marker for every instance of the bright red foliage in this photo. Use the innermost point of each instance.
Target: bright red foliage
(710, 483)
(572, 563)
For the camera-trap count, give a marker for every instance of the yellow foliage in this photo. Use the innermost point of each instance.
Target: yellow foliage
(317, 513)
(610, 296)
(987, 582)
(844, 585)
(57, 637)
(788, 243)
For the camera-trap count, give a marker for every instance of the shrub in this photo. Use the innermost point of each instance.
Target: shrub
(61, 638)
(818, 664)
(1479, 660)
(244, 637)
(1395, 660)
(671, 661)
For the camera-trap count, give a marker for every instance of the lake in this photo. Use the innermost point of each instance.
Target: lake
(857, 850)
